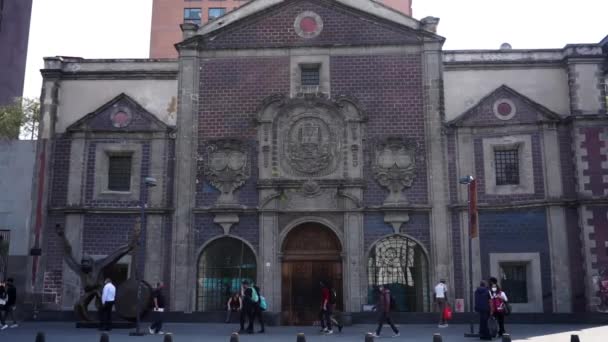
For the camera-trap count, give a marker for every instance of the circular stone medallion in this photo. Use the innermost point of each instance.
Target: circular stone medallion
(121, 118)
(504, 109)
(308, 24)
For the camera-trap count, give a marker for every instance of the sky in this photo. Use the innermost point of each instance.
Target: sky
(121, 28)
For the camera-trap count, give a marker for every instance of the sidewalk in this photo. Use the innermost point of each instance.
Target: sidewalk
(66, 332)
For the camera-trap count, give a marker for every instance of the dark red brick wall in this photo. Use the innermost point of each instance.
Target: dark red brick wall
(389, 88)
(60, 171)
(342, 26)
(232, 89)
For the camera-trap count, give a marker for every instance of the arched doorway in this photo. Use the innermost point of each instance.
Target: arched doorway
(311, 253)
(222, 266)
(400, 263)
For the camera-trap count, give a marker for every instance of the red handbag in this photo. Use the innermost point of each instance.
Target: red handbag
(447, 313)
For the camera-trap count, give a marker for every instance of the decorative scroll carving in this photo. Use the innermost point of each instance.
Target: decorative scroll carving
(394, 167)
(227, 168)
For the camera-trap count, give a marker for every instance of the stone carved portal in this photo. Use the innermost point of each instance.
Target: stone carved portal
(394, 167)
(227, 168)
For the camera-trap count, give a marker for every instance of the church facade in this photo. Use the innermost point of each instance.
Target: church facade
(295, 141)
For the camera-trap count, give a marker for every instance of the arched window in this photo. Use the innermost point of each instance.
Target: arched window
(222, 266)
(400, 264)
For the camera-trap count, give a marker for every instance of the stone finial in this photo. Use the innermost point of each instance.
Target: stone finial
(430, 24)
(188, 30)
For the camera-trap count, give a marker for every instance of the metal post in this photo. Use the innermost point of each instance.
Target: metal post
(471, 183)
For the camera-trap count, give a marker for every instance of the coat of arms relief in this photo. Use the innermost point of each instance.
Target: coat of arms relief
(394, 167)
(227, 168)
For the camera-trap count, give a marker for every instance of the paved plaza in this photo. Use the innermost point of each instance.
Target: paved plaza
(65, 332)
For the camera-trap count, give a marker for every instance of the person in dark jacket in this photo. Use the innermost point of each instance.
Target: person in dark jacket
(10, 307)
(3, 301)
(482, 306)
(384, 311)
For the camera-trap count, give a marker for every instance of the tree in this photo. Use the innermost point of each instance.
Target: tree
(22, 116)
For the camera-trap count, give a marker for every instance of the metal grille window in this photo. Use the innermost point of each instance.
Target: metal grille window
(119, 173)
(310, 75)
(400, 264)
(507, 166)
(192, 15)
(222, 266)
(515, 282)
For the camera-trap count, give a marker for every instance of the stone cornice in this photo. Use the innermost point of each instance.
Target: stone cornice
(116, 210)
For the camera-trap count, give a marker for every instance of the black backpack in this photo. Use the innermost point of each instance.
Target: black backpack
(333, 296)
(393, 303)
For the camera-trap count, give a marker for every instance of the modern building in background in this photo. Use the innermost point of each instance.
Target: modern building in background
(14, 33)
(303, 140)
(167, 15)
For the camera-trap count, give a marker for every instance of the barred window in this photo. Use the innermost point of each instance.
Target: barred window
(400, 264)
(119, 173)
(507, 166)
(515, 281)
(310, 75)
(222, 266)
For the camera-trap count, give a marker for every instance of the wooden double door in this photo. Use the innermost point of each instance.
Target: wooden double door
(311, 255)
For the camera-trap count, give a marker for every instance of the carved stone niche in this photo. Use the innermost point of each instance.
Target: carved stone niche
(227, 168)
(394, 167)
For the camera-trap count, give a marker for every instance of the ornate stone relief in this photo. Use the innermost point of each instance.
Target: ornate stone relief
(394, 167)
(227, 168)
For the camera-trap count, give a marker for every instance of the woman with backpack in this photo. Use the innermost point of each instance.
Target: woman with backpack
(498, 306)
(384, 308)
(3, 303)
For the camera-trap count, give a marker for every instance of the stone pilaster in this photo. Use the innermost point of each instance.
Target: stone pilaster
(586, 79)
(183, 262)
(435, 146)
(269, 267)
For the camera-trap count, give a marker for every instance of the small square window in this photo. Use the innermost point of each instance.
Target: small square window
(514, 281)
(310, 75)
(119, 173)
(216, 12)
(192, 15)
(507, 166)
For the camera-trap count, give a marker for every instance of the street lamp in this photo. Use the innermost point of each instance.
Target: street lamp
(148, 182)
(471, 182)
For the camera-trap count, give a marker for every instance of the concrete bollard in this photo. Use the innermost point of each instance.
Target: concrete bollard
(369, 337)
(104, 337)
(437, 338)
(234, 337)
(506, 338)
(574, 338)
(40, 337)
(168, 338)
(301, 338)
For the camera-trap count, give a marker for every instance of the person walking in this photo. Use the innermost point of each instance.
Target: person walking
(384, 309)
(497, 307)
(247, 311)
(333, 300)
(257, 309)
(235, 304)
(325, 312)
(11, 304)
(158, 300)
(482, 307)
(441, 300)
(108, 295)
(3, 301)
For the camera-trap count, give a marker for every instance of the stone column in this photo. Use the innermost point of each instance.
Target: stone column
(556, 222)
(441, 247)
(155, 252)
(182, 280)
(41, 183)
(355, 288)
(269, 267)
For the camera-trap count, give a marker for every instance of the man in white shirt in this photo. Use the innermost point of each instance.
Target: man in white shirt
(107, 302)
(441, 300)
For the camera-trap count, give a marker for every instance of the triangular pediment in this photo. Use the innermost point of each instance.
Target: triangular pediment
(505, 106)
(277, 23)
(121, 114)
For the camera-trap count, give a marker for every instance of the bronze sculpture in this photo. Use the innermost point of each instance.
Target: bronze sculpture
(91, 271)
